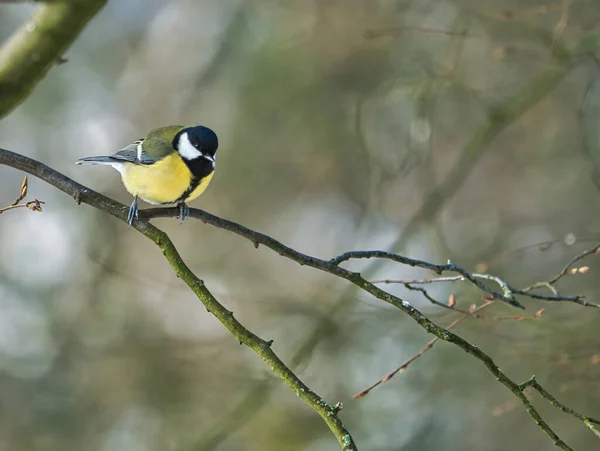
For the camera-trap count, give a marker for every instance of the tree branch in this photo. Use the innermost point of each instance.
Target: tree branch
(33, 205)
(590, 422)
(39, 45)
(429, 345)
(505, 296)
(506, 288)
(329, 413)
(81, 194)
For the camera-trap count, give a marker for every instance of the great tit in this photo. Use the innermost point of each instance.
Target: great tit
(171, 165)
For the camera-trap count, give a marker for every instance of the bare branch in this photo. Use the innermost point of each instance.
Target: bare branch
(431, 299)
(590, 422)
(81, 194)
(427, 347)
(34, 205)
(505, 296)
(506, 288)
(565, 270)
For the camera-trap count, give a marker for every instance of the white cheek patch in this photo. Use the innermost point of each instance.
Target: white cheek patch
(186, 150)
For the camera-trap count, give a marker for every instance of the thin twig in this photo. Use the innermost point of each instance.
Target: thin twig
(519, 317)
(506, 288)
(505, 296)
(590, 422)
(426, 348)
(399, 31)
(422, 281)
(83, 194)
(431, 298)
(261, 347)
(565, 270)
(34, 205)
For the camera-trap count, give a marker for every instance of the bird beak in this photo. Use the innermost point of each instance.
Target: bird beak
(209, 157)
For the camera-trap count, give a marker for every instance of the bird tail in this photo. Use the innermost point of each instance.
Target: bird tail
(96, 160)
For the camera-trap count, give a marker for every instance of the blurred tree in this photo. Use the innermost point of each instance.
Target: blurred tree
(445, 131)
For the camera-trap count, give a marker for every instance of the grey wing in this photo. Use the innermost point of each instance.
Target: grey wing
(134, 153)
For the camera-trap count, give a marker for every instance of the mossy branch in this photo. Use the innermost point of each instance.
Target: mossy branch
(81, 194)
(38, 45)
(263, 348)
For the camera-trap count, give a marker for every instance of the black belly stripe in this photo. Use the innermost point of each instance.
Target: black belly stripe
(193, 185)
(200, 168)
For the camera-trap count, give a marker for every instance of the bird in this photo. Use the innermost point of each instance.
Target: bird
(170, 165)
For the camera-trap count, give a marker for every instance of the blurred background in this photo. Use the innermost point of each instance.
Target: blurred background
(338, 122)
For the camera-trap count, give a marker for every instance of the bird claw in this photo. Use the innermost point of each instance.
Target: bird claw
(184, 212)
(133, 211)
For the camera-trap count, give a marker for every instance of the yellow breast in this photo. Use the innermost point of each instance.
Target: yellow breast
(201, 186)
(163, 182)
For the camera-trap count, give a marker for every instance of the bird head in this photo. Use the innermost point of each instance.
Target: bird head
(196, 142)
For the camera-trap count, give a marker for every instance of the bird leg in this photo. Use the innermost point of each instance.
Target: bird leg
(133, 211)
(184, 211)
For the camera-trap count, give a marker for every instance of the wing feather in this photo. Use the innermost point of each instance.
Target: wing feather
(130, 154)
(156, 147)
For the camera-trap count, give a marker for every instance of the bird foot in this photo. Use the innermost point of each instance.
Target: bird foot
(133, 211)
(184, 212)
